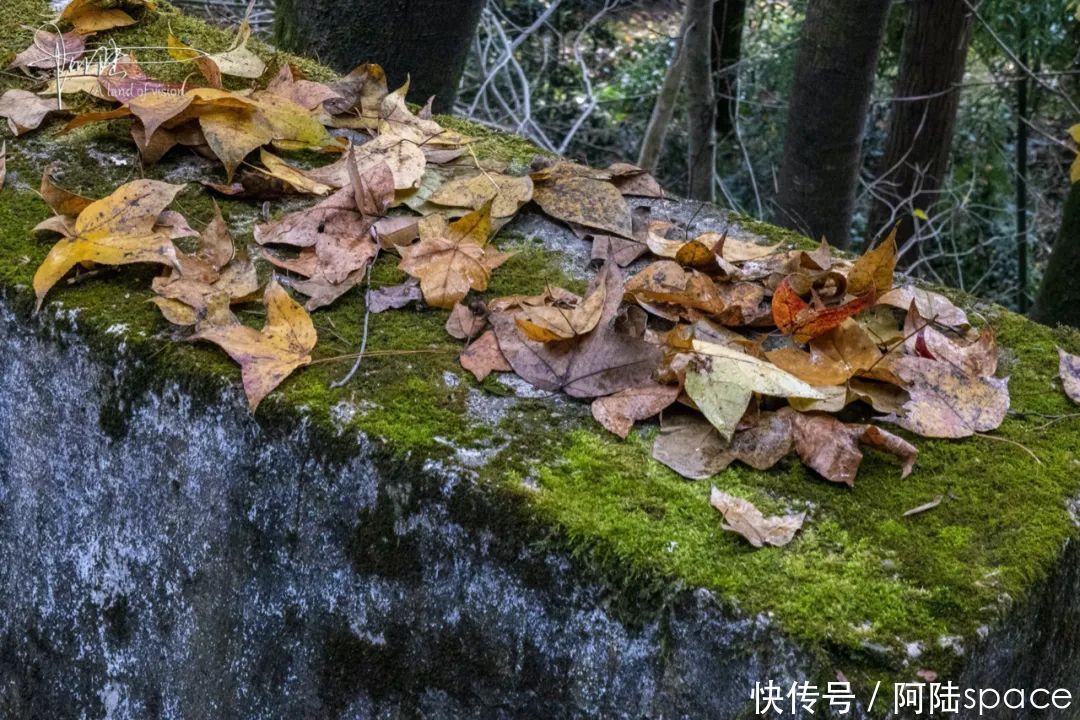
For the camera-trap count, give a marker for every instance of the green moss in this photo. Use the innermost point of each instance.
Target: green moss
(856, 586)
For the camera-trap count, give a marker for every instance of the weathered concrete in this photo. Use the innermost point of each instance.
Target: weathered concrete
(201, 567)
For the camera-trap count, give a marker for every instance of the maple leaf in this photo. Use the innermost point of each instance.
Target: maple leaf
(1069, 371)
(507, 193)
(873, 271)
(796, 317)
(212, 274)
(742, 517)
(601, 362)
(452, 257)
(289, 83)
(267, 356)
(115, 230)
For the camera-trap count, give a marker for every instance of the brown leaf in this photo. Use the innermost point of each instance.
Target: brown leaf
(743, 518)
(560, 320)
(24, 110)
(618, 412)
(834, 357)
(831, 447)
(452, 258)
(595, 204)
(667, 289)
(1069, 370)
(506, 193)
(464, 323)
(602, 362)
(633, 181)
(483, 357)
(690, 446)
(290, 83)
(930, 306)
(946, 402)
(51, 50)
(266, 356)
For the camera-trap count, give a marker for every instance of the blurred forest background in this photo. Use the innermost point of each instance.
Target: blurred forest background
(840, 118)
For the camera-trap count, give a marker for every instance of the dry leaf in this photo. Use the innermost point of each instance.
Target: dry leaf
(834, 357)
(595, 204)
(743, 518)
(506, 193)
(24, 110)
(561, 320)
(393, 297)
(51, 51)
(930, 306)
(874, 270)
(796, 317)
(946, 402)
(831, 447)
(89, 16)
(466, 323)
(602, 362)
(977, 358)
(267, 356)
(671, 291)
(723, 384)
(618, 412)
(483, 357)
(452, 258)
(116, 230)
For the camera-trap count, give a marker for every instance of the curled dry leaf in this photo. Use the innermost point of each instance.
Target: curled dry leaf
(978, 358)
(618, 412)
(946, 402)
(724, 383)
(89, 16)
(673, 292)
(831, 447)
(561, 320)
(115, 230)
(267, 356)
(1069, 370)
(742, 517)
(796, 317)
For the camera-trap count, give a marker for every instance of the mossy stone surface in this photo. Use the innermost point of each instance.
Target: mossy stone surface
(865, 589)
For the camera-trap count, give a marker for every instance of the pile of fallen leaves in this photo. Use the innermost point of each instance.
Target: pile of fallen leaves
(750, 352)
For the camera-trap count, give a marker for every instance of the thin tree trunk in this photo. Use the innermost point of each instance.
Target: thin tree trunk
(428, 42)
(1022, 120)
(834, 75)
(1059, 296)
(701, 105)
(728, 19)
(921, 130)
(652, 146)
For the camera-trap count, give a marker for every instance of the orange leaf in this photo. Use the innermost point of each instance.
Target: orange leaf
(796, 317)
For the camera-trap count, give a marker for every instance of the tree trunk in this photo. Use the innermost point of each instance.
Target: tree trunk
(728, 18)
(920, 136)
(428, 42)
(834, 74)
(652, 146)
(1059, 295)
(701, 105)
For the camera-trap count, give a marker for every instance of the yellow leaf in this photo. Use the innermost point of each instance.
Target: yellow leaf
(232, 134)
(116, 230)
(280, 169)
(267, 356)
(874, 270)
